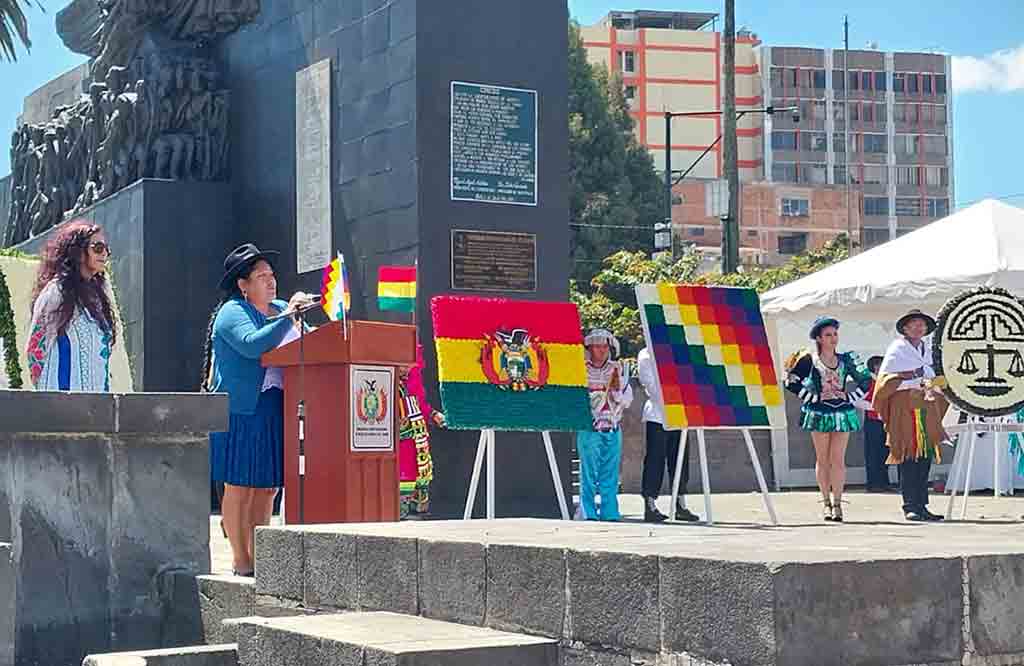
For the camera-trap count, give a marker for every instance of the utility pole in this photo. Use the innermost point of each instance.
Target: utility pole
(668, 183)
(730, 227)
(846, 130)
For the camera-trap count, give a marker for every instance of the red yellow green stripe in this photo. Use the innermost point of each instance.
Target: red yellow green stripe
(459, 361)
(396, 288)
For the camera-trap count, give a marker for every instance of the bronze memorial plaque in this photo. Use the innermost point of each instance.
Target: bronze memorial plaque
(494, 261)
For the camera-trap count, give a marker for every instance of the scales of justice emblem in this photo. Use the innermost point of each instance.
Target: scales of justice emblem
(979, 350)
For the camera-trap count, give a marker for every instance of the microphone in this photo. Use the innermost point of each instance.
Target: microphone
(291, 312)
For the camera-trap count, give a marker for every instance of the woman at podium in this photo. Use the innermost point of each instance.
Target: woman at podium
(249, 457)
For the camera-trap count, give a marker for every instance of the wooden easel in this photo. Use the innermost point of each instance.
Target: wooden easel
(487, 445)
(704, 477)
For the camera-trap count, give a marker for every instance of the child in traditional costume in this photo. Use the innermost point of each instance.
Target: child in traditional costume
(819, 377)
(415, 466)
(912, 409)
(600, 448)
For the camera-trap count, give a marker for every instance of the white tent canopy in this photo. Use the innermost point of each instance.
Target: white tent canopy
(979, 246)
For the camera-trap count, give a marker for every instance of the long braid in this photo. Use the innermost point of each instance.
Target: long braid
(204, 382)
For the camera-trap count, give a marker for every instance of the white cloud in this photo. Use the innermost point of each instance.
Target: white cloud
(1000, 71)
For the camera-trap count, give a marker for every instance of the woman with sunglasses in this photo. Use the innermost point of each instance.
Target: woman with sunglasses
(73, 326)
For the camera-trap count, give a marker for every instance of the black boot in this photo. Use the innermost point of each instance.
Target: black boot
(684, 514)
(651, 513)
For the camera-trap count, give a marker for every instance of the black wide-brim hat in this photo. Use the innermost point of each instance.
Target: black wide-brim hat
(915, 314)
(820, 323)
(240, 258)
(876, 359)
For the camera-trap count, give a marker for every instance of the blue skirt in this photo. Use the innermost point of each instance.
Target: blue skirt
(251, 452)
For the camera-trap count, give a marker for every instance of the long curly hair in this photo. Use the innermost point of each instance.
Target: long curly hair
(62, 261)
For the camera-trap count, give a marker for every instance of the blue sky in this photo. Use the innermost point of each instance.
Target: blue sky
(984, 36)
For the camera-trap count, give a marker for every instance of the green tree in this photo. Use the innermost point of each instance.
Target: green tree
(13, 25)
(610, 301)
(613, 188)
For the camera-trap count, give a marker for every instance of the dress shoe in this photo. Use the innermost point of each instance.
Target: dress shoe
(915, 517)
(685, 515)
(651, 513)
(933, 517)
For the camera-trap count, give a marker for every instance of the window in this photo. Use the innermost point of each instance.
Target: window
(837, 79)
(777, 77)
(924, 112)
(795, 207)
(926, 83)
(903, 113)
(803, 78)
(912, 83)
(940, 84)
(818, 110)
(839, 174)
(696, 231)
(880, 81)
(751, 233)
(880, 113)
(868, 113)
(855, 111)
(816, 174)
(907, 144)
(837, 143)
(899, 82)
(854, 81)
(814, 141)
(876, 206)
(934, 144)
(838, 111)
(793, 243)
(874, 174)
(938, 207)
(935, 176)
(630, 94)
(908, 175)
(627, 61)
(783, 140)
(818, 76)
(874, 143)
(908, 207)
(940, 115)
(783, 172)
(865, 80)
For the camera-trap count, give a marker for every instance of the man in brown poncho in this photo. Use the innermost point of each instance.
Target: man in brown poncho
(908, 402)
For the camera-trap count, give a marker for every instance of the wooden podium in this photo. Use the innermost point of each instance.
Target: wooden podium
(351, 455)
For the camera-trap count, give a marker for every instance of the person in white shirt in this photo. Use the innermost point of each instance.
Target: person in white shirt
(662, 446)
(600, 448)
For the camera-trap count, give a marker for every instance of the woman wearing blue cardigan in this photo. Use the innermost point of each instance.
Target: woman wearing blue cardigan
(249, 457)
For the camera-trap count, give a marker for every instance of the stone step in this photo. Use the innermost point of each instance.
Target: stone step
(384, 639)
(226, 597)
(203, 655)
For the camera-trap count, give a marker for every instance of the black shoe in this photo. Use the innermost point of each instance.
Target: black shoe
(933, 517)
(685, 515)
(651, 513)
(915, 517)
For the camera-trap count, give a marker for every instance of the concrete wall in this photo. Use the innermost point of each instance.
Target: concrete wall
(392, 63)
(105, 501)
(168, 240)
(8, 596)
(61, 91)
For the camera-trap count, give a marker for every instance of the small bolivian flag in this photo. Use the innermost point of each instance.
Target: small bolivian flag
(396, 288)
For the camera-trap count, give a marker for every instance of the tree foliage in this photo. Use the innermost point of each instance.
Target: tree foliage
(13, 26)
(615, 195)
(610, 301)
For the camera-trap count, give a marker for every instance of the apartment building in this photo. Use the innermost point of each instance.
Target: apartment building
(896, 136)
(673, 61)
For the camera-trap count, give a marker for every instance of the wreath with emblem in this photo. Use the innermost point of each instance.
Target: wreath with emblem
(8, 334)
(976, 362)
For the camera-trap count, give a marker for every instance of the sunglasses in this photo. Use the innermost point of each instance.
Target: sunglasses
(99, 247)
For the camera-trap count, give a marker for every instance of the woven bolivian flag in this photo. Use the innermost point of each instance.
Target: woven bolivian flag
(510, 365)
(396, 288)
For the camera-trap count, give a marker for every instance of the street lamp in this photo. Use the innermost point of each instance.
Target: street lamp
(670, 183)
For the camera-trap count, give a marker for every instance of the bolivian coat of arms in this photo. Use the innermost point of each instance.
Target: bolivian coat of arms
(513, 361)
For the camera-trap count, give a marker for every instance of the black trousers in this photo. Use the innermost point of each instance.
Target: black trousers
(875, 453)
(914, 484)
(662, 450)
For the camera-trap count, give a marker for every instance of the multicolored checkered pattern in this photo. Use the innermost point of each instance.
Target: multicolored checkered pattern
(714, 363)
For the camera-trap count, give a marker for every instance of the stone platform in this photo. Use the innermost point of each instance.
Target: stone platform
(880, 593)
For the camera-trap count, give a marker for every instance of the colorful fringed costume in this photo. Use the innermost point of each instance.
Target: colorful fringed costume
(913, 419)
(415, 467)
(827, 407)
